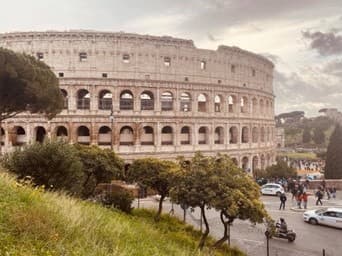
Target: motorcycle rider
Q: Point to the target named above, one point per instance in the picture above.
(282, 226)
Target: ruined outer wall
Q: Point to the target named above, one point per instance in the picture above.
(227, 71)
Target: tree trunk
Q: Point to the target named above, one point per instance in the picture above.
(0, 135)
(160, 208)
(225, 232)
(206, 231)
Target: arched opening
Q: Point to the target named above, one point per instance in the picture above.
(40, 134)
(219, 135)
(105, 134)
(83, 99)
(244, 104)
(203, 135)
(255, 162)
(61, 133)
(185, 135)
(146, 101)
(261, 106)
(166, 101)
(2, 136)
(218, 101)
(262, 134)
(245, 164)
(185, 102)
(254, 106)
(105, 100)
(233, 135)
(167, 136)
(83, 135)
(126, 136)
(268, 160)
(255, 135)
(202, 103)
(262, 162)
(268, 134)
(19, 136)
(126, 100)
(231, 103)
(245, 135)
(266, 107)
(65, 98)
(147, 137)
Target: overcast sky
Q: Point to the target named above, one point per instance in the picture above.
(302, 37)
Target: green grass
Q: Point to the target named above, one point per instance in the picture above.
(297, 155)
(33, 222)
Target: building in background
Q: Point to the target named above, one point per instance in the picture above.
(151, 96)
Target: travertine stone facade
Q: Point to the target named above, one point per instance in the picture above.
(152, 96)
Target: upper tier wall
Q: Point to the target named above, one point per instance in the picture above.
(150, 57)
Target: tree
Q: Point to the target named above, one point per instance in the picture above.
(306, 135)
(280, 170)
(99, 166)
(333, 167)
(27, 84)
(194, 188)
(155, 174)
(54, 164)
(318, 136)
(237, 196)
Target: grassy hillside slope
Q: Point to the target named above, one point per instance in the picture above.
(33, 222)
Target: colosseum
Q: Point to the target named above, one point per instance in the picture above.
(145, 95)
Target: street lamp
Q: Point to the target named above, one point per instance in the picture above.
(111, 118)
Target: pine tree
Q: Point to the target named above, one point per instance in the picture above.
(333, 167)
(306, 135)
(318, 136)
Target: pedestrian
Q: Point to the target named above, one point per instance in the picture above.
(328, 193)
(305, 199)
(282, 201)
(319, 196)
(333, 192)
(299, 200)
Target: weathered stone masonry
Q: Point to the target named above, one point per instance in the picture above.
(167, 97)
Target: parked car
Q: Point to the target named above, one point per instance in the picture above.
(325, 216)
(272, 189)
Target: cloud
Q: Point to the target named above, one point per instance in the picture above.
(295, 92)
(334, 67)
(329, 43)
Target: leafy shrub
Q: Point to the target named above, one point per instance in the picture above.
(120, 199)
(53, 164)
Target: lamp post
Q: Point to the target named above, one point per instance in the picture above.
(111, 118)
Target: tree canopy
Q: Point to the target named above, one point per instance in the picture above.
(280, 170)
(216, 182)
(333, 167)
(99, 166)
(27, 84)
(155, 174)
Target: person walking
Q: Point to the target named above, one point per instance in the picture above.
(282, 201)
(299, 200)
(305, 199)
(319, 196)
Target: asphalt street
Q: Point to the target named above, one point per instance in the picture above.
(310, 241)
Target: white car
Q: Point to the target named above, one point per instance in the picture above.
(272, 189)
(325, 216)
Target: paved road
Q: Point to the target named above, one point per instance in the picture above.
(311, 240)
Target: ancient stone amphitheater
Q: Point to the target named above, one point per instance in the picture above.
(155, 96)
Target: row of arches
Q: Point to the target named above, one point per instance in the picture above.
(147, 135)
(231, 103)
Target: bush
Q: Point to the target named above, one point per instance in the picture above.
(99, 166)
(121, 200)
(53, 164)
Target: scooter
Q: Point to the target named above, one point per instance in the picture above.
(290, 235)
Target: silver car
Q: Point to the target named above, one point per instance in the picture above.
(325, 216)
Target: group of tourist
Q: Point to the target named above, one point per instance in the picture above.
(300, 194)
